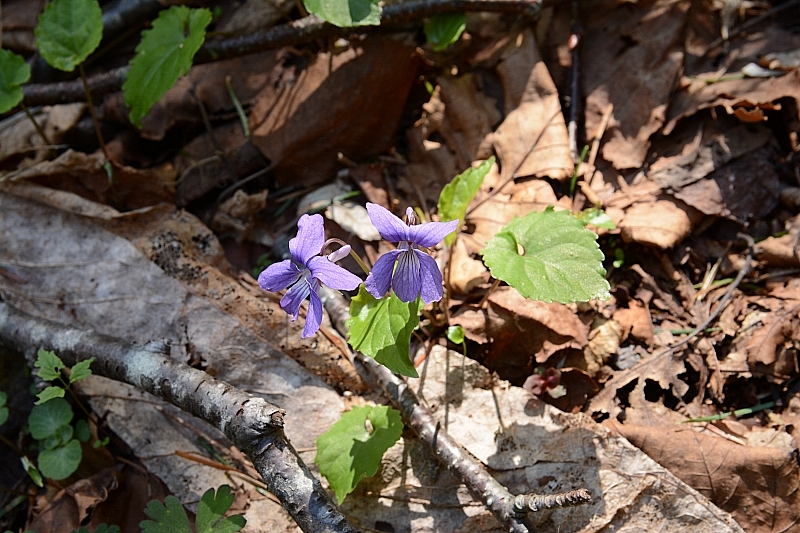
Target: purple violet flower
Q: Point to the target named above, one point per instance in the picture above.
(303, 273)
(416, 273)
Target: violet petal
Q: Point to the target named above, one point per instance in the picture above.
(314, 315)
(431, 278)
(278, 276)
(389, 226)
(309, 240)
(294, 297)
(380, 279)
(431, 233)
(406, 281)
(333, 275)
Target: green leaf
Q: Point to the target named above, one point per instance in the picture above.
(65, 432)
(49, 365)
(68, 31)
(49, 393)
(597, 218)
(548, 256)
(3, 408)
(445, 29)
(211, 512)
(346, 13)
(45, 419)
(353, 447)
(458, 194)
(32, 471)
(382, 329)
(82, 431)
(62, 462)
(168, 517)
(163, 55)
(101, 528)
(14, 71)
(455, 334)
(81, 370)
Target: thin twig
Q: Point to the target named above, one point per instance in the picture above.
(254, 425)
(483, 486)
(300, 31)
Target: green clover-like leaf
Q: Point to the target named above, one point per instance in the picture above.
(48, 394)
(444, 29)
(81, 370)
(353, 447)
(164, 54)
(14, 71)
(346, 13)
(458, 194)
(211, 512)
(62, 461)
(45, 419)
(382, 329)
(548, 256)
(167, 517)
(49, 365)
(68, 31)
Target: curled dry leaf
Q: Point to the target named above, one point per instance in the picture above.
(758, 485)
(635, 321)
(532, 140)
(521, 333)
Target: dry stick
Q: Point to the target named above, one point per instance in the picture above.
(254, 425)
(751, 23)
(296, 32)
(508, 509)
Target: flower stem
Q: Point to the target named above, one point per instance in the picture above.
(92, 112)
(36, 125)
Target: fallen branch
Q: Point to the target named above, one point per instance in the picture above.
(254, 425)
(292, 33)
(509, 510)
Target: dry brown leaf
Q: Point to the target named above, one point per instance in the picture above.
(742, 93)
(767, 346)
(659, 223)
(302, 123)
(759, 486)
(532, 139)
(523, 333)
(635, 321)
(743, 189)
(465, 272)
(470, 117)
(634, 60)
(116, 495)
(604, 339)
(19, 138)
(84, 175)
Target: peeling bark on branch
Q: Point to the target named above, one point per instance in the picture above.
(253, 424)
(291, 33)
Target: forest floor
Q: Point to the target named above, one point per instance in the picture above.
(692, 152)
